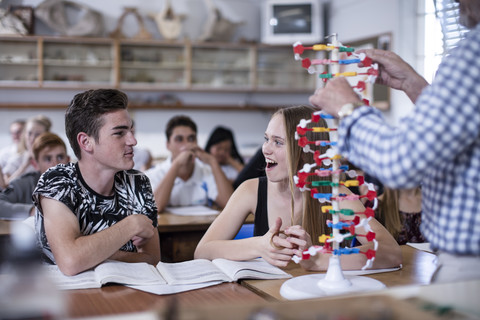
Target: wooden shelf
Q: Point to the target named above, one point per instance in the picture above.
(47, 62)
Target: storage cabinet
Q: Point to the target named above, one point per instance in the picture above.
(67, 63)
(152, 65)
(277, 68)
(63, 62)
(222, 67)
(19, 62)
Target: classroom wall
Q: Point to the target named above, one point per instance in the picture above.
(350, 19)
(354, 20)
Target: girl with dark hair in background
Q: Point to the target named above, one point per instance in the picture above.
(221, 145)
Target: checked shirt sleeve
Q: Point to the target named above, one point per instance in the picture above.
(437, 146)
(437, 135)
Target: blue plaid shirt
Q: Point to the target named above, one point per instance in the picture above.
(437, 146)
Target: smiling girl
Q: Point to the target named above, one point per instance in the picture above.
(287, 221)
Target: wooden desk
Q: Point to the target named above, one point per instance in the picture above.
(239, 301)
(234, 301)
(179, 235)
(208, 304)
(5, 227)
(117, 299)
(4, 237)
(418, 267)
(454, 300)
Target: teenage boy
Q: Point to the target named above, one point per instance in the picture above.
(16, 200)
(98, 208)
(189, 176)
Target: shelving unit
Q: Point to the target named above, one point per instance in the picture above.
(68, 63)
(276, 69)
(128, 64)
(152, 65)
(19, 63)
(222, 67)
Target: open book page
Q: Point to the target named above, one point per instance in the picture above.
(107, 272)
(190, 272)
(140, 273)
(174, 288)
(84, 280)
(251, 269)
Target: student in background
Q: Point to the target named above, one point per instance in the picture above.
(436, 146)
(22, 162)
(400, 212)
(16, 200)
(3, 184)
(16, 131)
(221, 144)
(98, 208)
(278, 205)
(142, 158)
(189, 176)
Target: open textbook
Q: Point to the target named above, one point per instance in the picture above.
(167, 278)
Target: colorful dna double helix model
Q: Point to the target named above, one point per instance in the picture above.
(329, 163)
(316, 66)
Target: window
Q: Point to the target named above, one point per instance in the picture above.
(442, 32)
(447, 13)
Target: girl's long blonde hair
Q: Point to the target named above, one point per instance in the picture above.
(388, 211)
(313, 220)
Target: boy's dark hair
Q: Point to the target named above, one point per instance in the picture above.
(178, 121)
(84, 114)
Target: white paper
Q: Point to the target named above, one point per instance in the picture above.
(191, 271)
(84, 280)
(192, 211)
(180, 276)
(368, 271)
(108, 272)
(421, 246)
(251, 269)
(170, 289)
(128, 273)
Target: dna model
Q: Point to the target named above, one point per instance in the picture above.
(330, 165)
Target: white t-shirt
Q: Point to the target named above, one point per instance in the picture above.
(230, 172)
(6, 153)
(15, 161)
(140, 157)
(200, 189)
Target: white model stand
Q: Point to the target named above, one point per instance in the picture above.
(334, 282)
